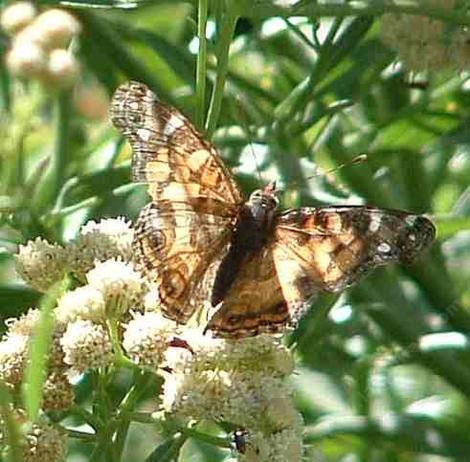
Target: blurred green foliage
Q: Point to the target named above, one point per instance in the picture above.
(303, 87)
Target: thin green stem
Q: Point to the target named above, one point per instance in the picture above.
(113, 333)
(229, 21)
(86, 416)
(201, 63)
(141, 381)
(54, 176)
(103, 410)
(5, 85)
(60, 153)
(80, 435)
(213, 440)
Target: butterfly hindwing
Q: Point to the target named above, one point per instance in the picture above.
(168, 245)
(254, 303)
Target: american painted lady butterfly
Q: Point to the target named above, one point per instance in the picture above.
(200, 241)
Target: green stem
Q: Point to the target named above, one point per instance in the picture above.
(5, 86)
(213, 440)
(80, 435)
(201, 63)
(229, 20)
(113, 333)
(141, 381)
(59, 157)
(86, 416)
(55, 174)
(102, 408)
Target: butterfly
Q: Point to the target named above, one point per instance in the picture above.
(200, 241)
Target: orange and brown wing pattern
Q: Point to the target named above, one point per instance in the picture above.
(180, 235)
(168, 152)
(254, 303)
(328, 249)
(176, 247)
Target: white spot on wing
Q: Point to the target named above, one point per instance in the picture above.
(172, 125)
(384, 248)
(374, 224)
(411, 220)
(144, 134)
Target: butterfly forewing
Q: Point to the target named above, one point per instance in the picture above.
(168, 152)
(334, 246)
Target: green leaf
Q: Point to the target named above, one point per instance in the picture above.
(35, 373)
(447, 226)
(168, 450)
(16, 298)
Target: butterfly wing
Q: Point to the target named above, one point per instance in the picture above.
(194, 199)
(313, 250)
(254, 304)
(330, 248)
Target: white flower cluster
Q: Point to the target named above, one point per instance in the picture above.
(42, 442)
(432, 44)
(147, 338)
(38, 48)
(14, 349)
(41, 264)
(110, 294)
(244, 382)
(107, 239)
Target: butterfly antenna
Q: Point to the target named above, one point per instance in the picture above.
(242, 117)
(355, 160)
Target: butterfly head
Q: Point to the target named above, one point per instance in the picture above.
(265, 198)
(262, 204)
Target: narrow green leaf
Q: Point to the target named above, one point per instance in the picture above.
(447, 226)
(201, 63)
(36, 368)
(168, 450)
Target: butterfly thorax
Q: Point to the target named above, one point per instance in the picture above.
(253, 228)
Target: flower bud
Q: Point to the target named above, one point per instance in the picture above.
(56, 28)
(62, 69)
(17, 16)
(26, 59)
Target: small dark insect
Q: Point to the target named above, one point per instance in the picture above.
(240, 440)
